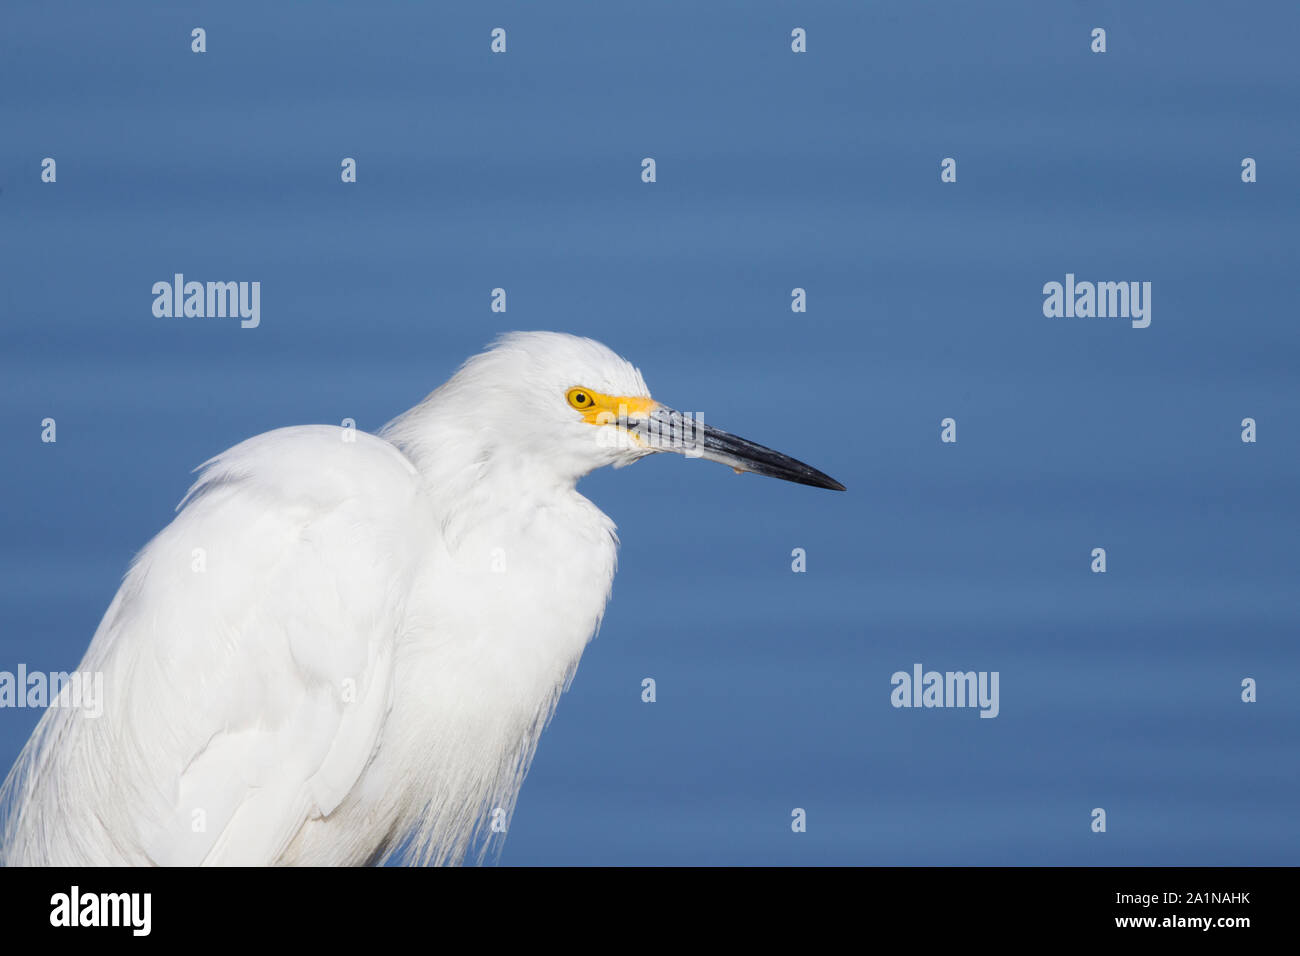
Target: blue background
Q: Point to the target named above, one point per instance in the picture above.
(775, 170)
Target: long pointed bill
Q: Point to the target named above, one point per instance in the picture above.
(667, 430)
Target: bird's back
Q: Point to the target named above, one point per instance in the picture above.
(247, 663)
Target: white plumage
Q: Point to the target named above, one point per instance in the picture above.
(347, 645)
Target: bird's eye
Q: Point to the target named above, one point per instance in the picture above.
(580, 398)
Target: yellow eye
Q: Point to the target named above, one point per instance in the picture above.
(580, 398)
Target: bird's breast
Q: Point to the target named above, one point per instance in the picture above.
(494, 633)
(499, 621)
(525, 590)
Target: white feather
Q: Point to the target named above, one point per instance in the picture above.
(380, 635)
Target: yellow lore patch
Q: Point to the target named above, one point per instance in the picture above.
(600, 409)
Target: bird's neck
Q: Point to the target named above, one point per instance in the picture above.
(471, 475)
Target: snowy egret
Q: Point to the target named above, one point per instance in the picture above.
(347, 645)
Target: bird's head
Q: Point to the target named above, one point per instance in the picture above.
(571, 405)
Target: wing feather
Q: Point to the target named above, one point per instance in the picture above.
(257, 632)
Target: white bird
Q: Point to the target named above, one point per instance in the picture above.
(346, 646)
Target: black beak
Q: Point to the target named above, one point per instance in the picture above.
(669, 430)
